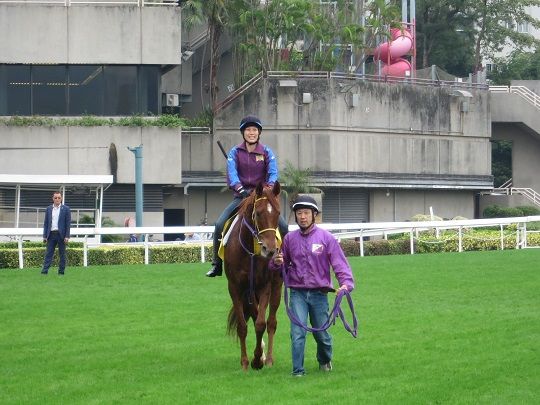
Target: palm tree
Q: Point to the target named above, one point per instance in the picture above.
(296, 181)
(214, 13)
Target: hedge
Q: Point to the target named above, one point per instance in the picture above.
(103, 255)
(427, 242)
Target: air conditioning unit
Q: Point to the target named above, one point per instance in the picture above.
(172, 100)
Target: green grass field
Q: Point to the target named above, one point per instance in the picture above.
(460, 328)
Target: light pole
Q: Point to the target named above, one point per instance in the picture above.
(137, 151)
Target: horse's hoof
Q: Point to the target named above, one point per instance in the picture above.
(256, 365)
(269, 362)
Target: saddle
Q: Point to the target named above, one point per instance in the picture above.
(227, 228)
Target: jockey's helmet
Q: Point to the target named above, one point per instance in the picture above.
(250, 120)
(305, 201)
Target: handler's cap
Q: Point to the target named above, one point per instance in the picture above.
(250, 120)
(305, 201)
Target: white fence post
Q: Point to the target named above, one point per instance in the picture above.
(146, 248)
(202, 252)
(21, 256)
(85, 251)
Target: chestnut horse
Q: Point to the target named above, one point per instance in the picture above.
(252, 286)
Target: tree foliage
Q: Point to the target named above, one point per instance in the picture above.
(501, 162)
(444, 36)
(215, 14)
(517, 66)
(291, 34)
(458, 35)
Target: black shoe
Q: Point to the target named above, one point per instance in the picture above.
(60, 273)
(216, 270)
(44, 273)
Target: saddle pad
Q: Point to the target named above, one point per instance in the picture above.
(229, 225)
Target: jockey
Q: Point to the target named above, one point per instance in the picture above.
(248, 164)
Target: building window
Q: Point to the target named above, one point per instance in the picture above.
(49, 90)
(117, 90)
(15, 94)
(86, 94)
(523, 27)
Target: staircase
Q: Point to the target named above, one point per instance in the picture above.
(507, 189)
(525, 93)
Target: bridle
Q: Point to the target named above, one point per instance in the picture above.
(255, 231)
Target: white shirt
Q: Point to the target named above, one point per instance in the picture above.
(55, 216)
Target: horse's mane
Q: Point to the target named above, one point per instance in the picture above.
(267, 192)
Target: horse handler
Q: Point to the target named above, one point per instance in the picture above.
(307, 254)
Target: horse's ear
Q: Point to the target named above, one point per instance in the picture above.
(259, 189)
(277, 188)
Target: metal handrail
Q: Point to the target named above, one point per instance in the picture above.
(528, 193)
(278, 74)
(524, 92)
(507, 183)
(196, 130)
(220, 106)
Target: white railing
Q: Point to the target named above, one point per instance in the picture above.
(68, 3)
(196, 130)
(507, 183)
(341, 231)
(524, 92)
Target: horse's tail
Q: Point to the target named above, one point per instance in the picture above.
(232, 323)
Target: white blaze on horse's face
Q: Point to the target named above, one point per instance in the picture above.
(269, 208)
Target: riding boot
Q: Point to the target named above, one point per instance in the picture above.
(216, 270)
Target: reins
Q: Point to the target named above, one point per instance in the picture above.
(334, 313)
(255, 233)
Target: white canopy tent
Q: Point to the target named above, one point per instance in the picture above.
(97, 183)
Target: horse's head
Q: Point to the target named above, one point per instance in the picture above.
(265, 217)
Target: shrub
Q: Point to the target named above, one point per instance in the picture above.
(527, 210)
(495, 211)
(350, 247)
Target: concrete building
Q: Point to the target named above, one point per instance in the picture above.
(69, 59)
(380, 151)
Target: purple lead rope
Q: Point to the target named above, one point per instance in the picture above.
(336, 311)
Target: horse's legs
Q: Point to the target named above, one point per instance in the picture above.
(271, 324)
(260, 326)
(242, 334)
(241, 325)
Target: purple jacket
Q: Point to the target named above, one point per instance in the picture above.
(248, 169)
(308, 258)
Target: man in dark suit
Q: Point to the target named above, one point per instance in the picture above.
(56, 231)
